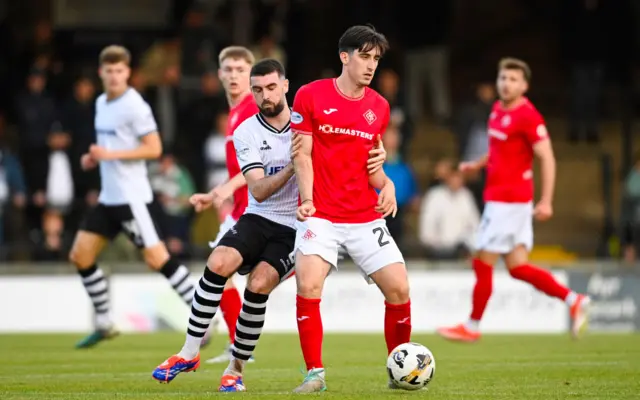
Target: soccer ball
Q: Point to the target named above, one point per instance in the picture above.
(411, 366)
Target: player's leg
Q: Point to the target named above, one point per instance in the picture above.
(139, 222)
(260, 283)
(378, 257)
(90, 240)
(231, 303)
(317, 242)
(493, 238)
(234, 248)
(517, 262)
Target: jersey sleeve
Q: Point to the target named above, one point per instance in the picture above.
(143, 121)
(535, 128)
(247, 152)
(302, 113)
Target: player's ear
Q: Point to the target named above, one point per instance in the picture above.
(285, 86)
(344, 57)
(219, 73)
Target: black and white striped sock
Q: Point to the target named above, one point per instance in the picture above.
(204, 307)
(178, 277)
(97, 288)
(249, 326)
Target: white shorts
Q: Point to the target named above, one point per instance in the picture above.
(369, 245)
(505, 226)
(227, 224)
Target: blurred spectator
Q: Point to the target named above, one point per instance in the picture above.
(630, 214)
(441, 172)
(471, 123)
(586, 47)
(268, 48)
(425, 36)
(197, 123)
(198, 46)
(471, 132)
(173, 187)
(162, 55)
(35, 114)
(163, 99)
(12, 184)
(448, 219)
(215, 159)
(389, 88)
(403, 178)
(59, 193)
(77, 118)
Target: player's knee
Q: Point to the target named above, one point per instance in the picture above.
(263, 279)
(224, 261)
(82, 256)
(309, 286)
(399, 294)
(156, 257)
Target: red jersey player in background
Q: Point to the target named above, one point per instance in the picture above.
(517, 132)
(339, 121)
(234, 67)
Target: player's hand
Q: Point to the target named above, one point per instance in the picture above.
(296, 144)
(201, 201)
(543, 211)
(99, 153)
(377, 156)
(305, 210)
(387, 204)
(87, 162)
(469, 166)
(220, 194)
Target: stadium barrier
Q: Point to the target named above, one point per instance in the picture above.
(144, 302)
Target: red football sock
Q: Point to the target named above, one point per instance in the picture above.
(397, 324)
(231, 305)
(540, 279)
(310, 331)
(483, 288)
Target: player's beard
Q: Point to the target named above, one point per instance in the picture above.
(272, 112)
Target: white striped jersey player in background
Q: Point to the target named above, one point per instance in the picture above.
(127, 136)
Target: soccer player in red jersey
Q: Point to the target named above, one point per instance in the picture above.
(517, 132)
(235, 65)
(339, 121)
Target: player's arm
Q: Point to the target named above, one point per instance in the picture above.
(150, 148)
(387, 204)
(262, 187)
(233, 184)
(544, 151)
(303, 167)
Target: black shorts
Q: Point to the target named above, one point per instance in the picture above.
(259, 239)
(138, 221)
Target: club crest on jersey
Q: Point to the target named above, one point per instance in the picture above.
(506, 120)
(370, 116)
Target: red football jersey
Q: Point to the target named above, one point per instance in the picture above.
(512, 134)
(344, 130)
(237, 114)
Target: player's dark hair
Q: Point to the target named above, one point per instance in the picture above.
(363, 38)
(516, 64)
(266, 67)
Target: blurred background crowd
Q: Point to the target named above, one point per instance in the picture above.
(438, 78)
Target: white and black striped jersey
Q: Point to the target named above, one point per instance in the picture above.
(260, 145)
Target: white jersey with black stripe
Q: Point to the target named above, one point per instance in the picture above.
(260, 145)
(119, 124)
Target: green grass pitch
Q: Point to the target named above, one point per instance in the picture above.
(498, 367)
